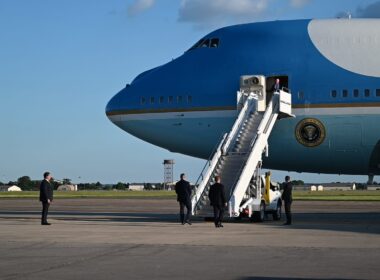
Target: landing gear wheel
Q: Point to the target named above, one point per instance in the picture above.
(278, 212)
(259, 216)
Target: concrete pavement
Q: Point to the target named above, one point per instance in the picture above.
(141, 239)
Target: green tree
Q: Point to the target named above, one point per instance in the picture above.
(25, 183)
(66, 181)
(120, 186)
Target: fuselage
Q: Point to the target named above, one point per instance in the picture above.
(332, 68)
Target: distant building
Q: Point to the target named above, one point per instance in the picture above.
(135, 187)
(373, 187)
(327, 187)
(68, 188)
(14, 189)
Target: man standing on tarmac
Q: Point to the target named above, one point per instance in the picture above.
(46, 197)
(183, 191)
(287, 198)
(218, 201)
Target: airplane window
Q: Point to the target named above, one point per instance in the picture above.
(205, 44)
(356, 93)
(170, 99)
(378, 92)
(189, 99)
(179, 99)
(142, 100)
(197, 44)
(333, 93)
(300, 95)
(214, 43)
(152, 100)
(367, 92)
(345, 93)
(161, 99)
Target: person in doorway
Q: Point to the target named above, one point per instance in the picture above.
(218, 201)
(276, 86)
(46, 197)
(183, 191)
(287, 198)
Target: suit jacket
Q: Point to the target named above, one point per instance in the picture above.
(287, 193)
(217, 195)
(183, 191)
(46, 191)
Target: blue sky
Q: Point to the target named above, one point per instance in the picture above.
(61, 61)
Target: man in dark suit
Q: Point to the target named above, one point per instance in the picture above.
(183, 191)
(218, 201)
(46, 197)
(287, 198)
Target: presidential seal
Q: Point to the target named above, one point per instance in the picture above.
(310, 132)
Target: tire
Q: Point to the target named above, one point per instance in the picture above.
(278, 212)
(259, 216)
(238, 219)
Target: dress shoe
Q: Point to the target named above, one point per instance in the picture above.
(220, 225)
(46, 224)
(188, 222)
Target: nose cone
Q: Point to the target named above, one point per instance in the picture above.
(116, 103)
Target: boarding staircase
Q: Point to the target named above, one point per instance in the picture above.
(238, 156)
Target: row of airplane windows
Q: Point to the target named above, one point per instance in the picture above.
(345, 93)
(189, 99)
(355, 93)
(170, 99)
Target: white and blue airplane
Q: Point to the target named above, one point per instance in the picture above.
(332, 68)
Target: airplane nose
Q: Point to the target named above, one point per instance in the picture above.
(117, 102)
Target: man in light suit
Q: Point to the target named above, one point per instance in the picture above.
(46, 197)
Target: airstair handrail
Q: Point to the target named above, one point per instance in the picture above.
(206, 173)
(255, 153)
(238, 123)
(262, 128)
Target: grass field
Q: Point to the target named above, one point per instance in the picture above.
(297, 195)
(338, 195)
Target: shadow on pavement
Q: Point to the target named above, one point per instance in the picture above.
(368, 222)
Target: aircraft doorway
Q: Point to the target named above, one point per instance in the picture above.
(270, 84)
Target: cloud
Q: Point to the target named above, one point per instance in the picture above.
(217, 12)
(139, 6)
(371, 11)
(299, 3)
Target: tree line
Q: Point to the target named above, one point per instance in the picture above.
(27, 184)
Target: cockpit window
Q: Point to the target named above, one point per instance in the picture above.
(206, 43)
(214, 43)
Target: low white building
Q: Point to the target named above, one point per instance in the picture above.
(14, 189)
(135, 187)
(68, 188)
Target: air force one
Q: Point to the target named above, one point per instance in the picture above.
(331, 68)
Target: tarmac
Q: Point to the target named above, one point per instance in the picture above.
(142, 239)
